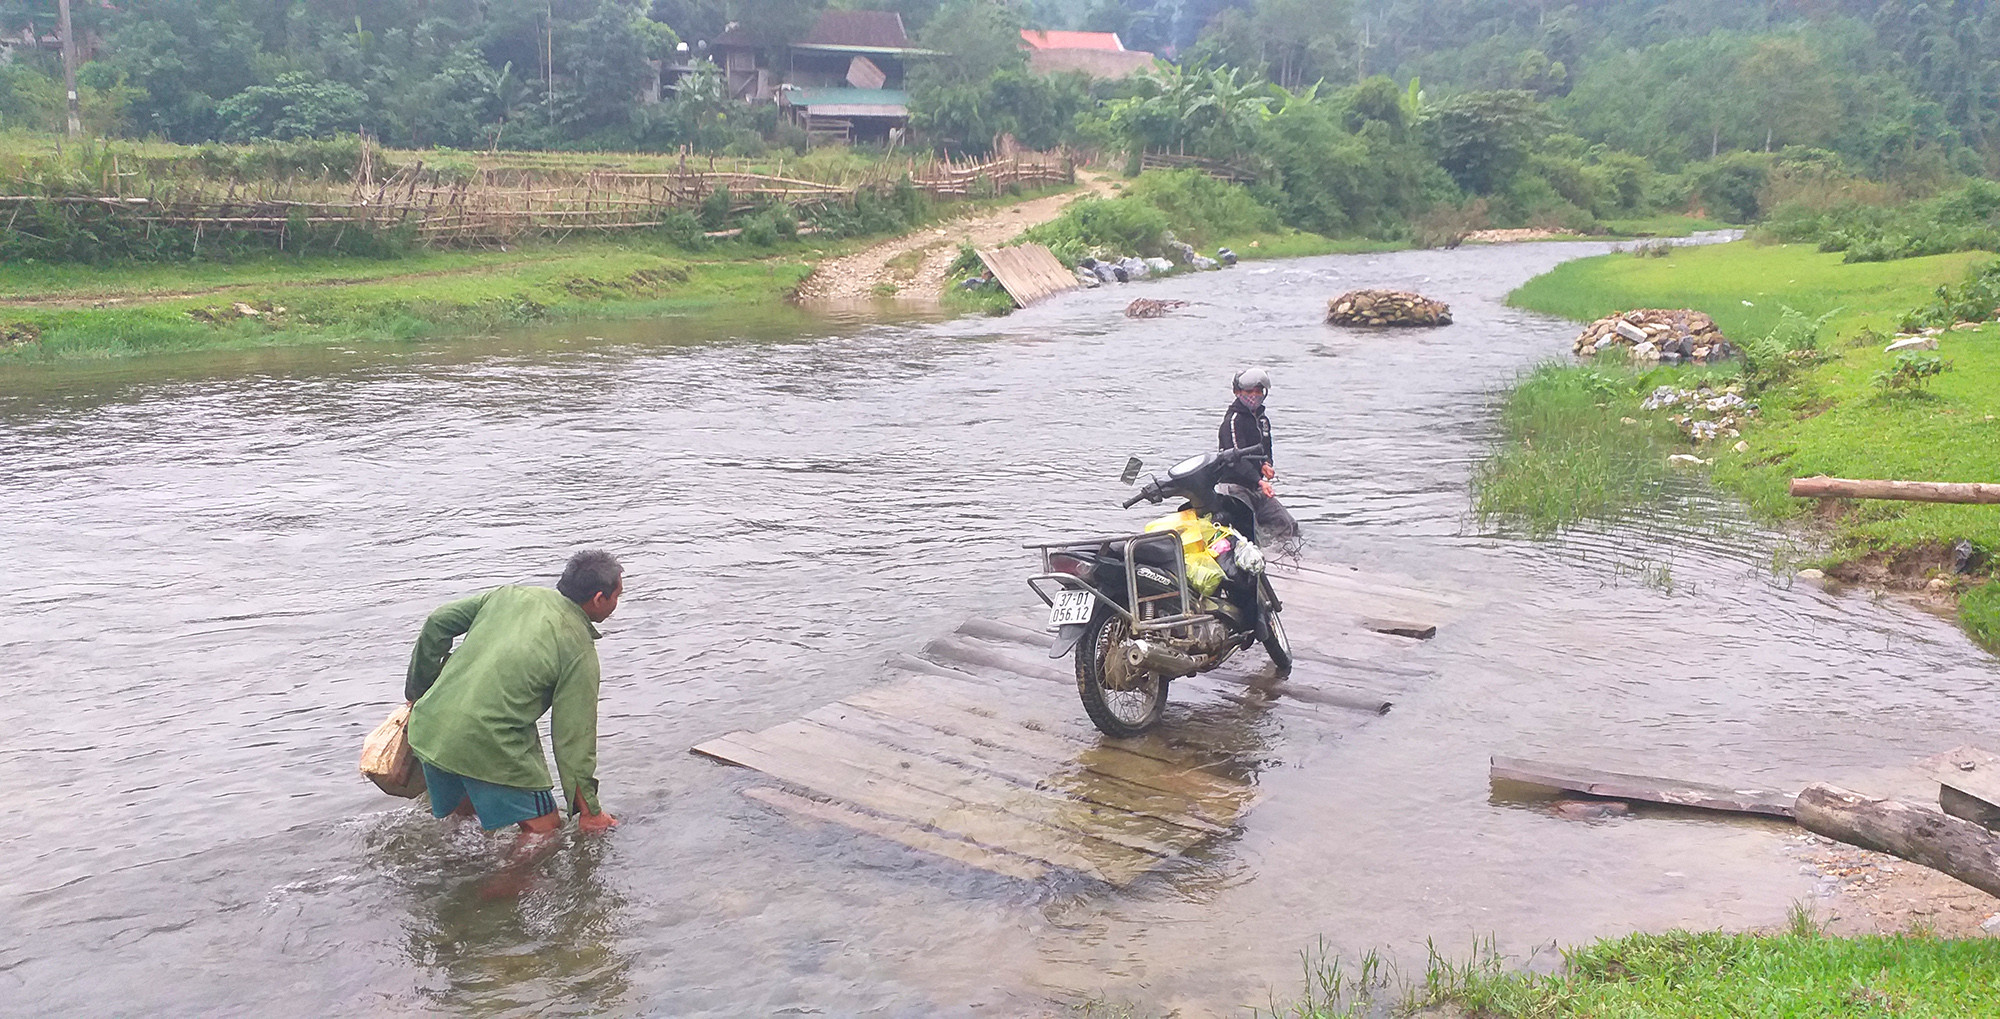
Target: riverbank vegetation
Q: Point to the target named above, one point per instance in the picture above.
(1829, 400)
(1684, 975)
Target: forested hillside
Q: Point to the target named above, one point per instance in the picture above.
(1351, 116)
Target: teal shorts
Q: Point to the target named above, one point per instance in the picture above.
(497, 805)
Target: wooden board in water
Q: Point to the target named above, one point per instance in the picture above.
(1029, 272)
(981, 754)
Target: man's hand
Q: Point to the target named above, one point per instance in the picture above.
(594, 823)
(1270, 473)
(1266, 486)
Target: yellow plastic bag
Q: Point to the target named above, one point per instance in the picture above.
(1203, 572)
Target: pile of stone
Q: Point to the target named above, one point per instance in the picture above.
(1387, 308)
(1093, 271)
(18, 334)
(1704, 414)
(1146, 307)
(1648, 335)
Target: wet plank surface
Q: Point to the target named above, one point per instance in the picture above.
(1647, 788)
(1028, 272)
(978, 752)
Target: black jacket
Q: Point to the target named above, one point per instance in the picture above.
(1242, 427)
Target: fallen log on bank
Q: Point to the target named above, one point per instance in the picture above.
(1946, 844)
(1823, 487)
(1619, 786)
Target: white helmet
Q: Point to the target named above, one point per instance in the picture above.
(1252, 378)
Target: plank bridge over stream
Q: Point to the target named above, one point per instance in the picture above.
(976, 750)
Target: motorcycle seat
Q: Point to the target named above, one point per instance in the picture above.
(1152, 553)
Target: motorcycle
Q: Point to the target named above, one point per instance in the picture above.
(1181, 597)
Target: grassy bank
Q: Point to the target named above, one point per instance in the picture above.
(1826, 412)
(1682, 975)
(89, 313)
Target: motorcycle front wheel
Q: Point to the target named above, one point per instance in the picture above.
(1271, 631)
(1120, 700)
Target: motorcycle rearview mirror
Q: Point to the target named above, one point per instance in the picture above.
(1132, 468)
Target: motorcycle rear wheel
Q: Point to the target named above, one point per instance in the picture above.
(1118, 703)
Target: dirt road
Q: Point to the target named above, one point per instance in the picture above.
(913, 266)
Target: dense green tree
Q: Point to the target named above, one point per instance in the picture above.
(1483, 138)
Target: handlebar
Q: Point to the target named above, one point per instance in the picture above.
(1135, 500)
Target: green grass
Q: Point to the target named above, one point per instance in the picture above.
(1682, 975)
(1567, 456)
(1719, 279)
(1979, 612)
(148, 309)
(1830, 419)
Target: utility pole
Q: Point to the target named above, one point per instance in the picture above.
(69, 66)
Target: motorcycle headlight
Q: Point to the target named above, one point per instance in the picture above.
(1249, 556)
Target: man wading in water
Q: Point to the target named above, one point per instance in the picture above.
(1244, 426)
(527, 650)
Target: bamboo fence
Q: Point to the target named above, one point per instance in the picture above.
(504, 205)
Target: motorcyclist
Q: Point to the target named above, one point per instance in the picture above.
(1246, 426)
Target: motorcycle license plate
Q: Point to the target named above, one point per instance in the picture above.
(1071, 608)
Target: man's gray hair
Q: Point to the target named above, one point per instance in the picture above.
(590, 573)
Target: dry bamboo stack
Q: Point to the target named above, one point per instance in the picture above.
(1656, 334)
(1386, 308)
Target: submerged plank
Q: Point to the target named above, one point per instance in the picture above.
(926, 809)
(999, 861)
(959, 649)
(959, 711)
(1085, 822)
(1969, 784)
(1352, 698)
(1069, 778)
(1400, 627)
(1616, 785)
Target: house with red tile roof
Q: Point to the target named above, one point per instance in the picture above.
(1097, 54)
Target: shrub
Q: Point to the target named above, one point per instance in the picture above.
(1911, 374)
(714, 209)
(1122, 226)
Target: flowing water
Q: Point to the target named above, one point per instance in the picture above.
(216, 566)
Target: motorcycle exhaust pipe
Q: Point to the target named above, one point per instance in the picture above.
(1151, 657)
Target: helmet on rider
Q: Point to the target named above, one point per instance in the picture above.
(1251, 384)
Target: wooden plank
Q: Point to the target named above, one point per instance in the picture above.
(1080, 820)
(1352, 698)
(1616, 785)
(1400, 627)
(1029, 272)
(1969, 784)
(965, 710)
(1070, 778)
(972, 822)
(1045, 710)
(999, 861)
(960, 650)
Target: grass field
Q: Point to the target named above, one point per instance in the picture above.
(91, 313)
(1681, 975)
(1797, 974)
(1830, 419)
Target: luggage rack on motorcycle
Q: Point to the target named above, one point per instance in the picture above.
(1170, 539)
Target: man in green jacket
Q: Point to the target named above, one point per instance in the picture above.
(526, 651)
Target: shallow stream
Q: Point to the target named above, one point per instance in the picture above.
(215, 570)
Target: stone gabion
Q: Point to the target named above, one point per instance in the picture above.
(1652, 335)
(1386, 308)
